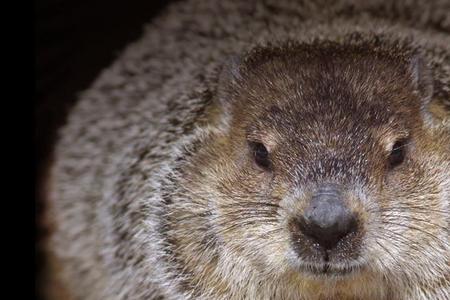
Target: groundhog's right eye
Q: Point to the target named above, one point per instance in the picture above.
(260, 154)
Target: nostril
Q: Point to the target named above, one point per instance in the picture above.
(327, 235)
(327, 220)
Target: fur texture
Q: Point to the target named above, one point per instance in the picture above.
(152, 191)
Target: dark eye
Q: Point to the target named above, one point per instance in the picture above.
(260, 154)
(398, 153)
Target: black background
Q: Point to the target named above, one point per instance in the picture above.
(74, 40)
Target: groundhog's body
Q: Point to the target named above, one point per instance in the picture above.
(146, 202)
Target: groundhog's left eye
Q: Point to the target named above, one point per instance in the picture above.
(260, 154)
(398, 152)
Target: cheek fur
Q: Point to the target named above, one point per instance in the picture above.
(411, 222)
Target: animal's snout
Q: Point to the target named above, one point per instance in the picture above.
(327, 219)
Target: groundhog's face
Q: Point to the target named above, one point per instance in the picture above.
(327, 170)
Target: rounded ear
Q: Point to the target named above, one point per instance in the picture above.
(436, 111)
(229, 77)
(422, 78)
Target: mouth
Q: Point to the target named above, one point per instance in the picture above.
(329, 270)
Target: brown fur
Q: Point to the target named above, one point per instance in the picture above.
(156, 192)
(329, 113)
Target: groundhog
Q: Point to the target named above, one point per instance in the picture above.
(262, 150)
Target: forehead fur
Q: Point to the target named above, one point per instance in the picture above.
(326, 83)
(325, 103)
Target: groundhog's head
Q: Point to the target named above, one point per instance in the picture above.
(328, 171)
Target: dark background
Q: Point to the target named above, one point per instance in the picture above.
(74, 40)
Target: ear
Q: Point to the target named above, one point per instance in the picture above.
(422, 79)
(436, 111)
(229, 78)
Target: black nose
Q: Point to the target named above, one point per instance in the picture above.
(327, 220)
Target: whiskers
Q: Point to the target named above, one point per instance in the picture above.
(405, 232)
(225, 209)
(414, 217)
